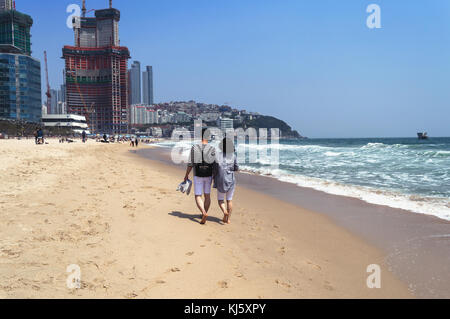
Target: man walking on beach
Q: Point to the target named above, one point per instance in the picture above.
(201, 159)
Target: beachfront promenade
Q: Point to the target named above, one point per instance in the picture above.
(118, 218)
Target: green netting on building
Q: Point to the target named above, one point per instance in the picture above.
(15, 31)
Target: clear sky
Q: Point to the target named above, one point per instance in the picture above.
(313, 63)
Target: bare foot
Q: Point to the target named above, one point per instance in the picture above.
(204, 219)
(225, 218)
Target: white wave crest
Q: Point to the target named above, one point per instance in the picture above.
(438, 207)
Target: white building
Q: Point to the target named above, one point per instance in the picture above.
(141, 114)
(75, 122)
(156, 132)
(182, 117)
(225, 124)
(210, 117)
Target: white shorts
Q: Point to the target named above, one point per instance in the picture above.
(229, 194)
(202, 185)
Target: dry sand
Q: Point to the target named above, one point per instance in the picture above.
(117, 216)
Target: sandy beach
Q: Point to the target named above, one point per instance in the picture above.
(117, 216)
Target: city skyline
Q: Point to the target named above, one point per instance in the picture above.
(140, 84)
(322, 63)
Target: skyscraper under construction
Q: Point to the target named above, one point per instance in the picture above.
(96, 72)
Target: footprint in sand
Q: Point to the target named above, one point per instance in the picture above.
(175, 269)
(317, 267)
(128, 206)
(327, 285)
(131, 295)
(189, 253)
(223, 284)
(284, 284)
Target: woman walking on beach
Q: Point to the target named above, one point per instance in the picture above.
(224, 179)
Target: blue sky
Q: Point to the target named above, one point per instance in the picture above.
(314, 64)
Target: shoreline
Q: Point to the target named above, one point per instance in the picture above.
(415, 203)
(415, 245)
(117, 216)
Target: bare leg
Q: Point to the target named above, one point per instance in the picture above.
(201, 207)
(207, 202)
(224, 210)
(206, 206)
(230, 210)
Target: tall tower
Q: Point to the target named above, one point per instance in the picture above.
(147, 80)
(135, 83)
(96, 72)
(20, 74)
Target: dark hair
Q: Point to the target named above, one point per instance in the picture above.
(204, 137)
(227, 146)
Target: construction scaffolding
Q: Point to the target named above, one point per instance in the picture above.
(96, 73)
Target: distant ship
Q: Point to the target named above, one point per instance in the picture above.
(422, 136)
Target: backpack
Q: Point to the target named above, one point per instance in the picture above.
(203, 169)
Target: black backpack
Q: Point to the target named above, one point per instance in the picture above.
(203, 169)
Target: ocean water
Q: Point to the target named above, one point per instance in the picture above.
(399, 172)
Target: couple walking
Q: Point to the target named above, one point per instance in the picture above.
(211, 165)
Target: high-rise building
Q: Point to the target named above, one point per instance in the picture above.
(62, 96)
(147, 81)
(6, 5)
(96, 72)
(53, 102)
(135, 83)
(57, 102)
(143, 114)
(20, 74)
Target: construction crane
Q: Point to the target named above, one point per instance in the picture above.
(48, 93)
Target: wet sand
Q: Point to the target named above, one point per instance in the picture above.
(416, 247)
(117, 216)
